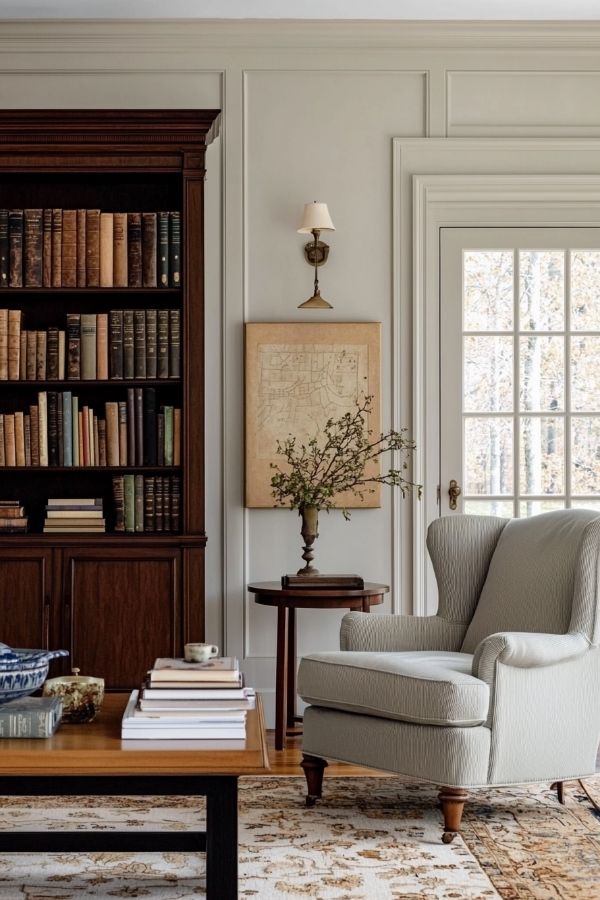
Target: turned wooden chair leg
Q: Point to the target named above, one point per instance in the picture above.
(313, 767)
(560, 791)
(452, 801)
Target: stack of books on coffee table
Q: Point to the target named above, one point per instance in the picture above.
(189, 701)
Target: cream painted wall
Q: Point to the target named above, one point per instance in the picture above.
(309, 112)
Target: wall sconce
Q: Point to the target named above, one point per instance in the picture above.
(316, 219)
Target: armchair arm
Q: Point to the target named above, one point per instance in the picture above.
(524, 650)
(392, 633)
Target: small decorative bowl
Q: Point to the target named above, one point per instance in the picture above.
(82, 696)
(23, 671)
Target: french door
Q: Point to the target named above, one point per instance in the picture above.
(519, 370)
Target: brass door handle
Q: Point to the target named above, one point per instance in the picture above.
(454, 493)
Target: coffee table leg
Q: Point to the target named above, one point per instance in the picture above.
(291, 669)
(222, 840)
(281, 680)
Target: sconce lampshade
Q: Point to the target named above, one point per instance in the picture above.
(316, 217)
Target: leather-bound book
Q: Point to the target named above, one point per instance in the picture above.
(115, 329)
(31, 361)
(102, 346)
(19, 439)
(129, 502)
(131, 457)
(81, 248)
(139, 426)
(149, 249)
(41, 350)
(52, 354)
(56, 267)
(174, 343)
(177, 436)
(53, 398)
(158, 504)
(43, 426)
(160, 439)
(84, 453)
(139, 502)
(88, 346)
(149, 504)
(139, 325)
(33, 247)
(73, 346)
(162, 344)
(4, 250)
(112, 434)
(168, 416)
(151, 341)
(128, 344)
(60, 435)
(3, 345)
(175, 503)
(102, 461)
(15, 247)
(150, 454)
(175, 249)
(118, 503)
(106, 249)
(14, 344)
(166, 492)
(69, 248)
(122, 433)
(10, 451)
(96, 433)
(23, 356)
(27, 431)
(81, 437)
(62, 343)
(120, 250)
(162, 250)
(134, 250)
(92, 248)
(75, 430)
(47, 248)
(67, 402)
(35, 435)
(2, 452)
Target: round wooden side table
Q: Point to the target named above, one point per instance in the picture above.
(287, 601)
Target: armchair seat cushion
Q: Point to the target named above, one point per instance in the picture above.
(426, 687)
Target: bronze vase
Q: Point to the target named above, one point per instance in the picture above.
(309, 532)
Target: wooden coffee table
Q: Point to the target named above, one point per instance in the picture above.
(92, 760)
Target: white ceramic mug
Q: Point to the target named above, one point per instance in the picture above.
(200, 652)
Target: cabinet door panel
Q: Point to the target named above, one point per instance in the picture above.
(25, 594)
(122, 609)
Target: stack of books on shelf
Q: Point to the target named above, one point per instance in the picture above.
(12, 517)
(181, 700)
(74, 516)
(124, 343)
(147, 503)
(89, 248)
(30, 717)
(60, 431)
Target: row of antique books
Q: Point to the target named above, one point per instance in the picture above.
(88, 248)
(125, 343)
(189, 701)
(149, 503)
(12, 518)
(74, 516)
(59, 431)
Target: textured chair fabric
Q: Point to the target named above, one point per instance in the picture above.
(521, 596)
(429, 687)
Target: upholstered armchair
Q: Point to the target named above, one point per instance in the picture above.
(502, 686)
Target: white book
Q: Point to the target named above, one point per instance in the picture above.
(196, 705)
(195, 693)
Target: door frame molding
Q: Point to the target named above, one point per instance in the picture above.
(434, 189)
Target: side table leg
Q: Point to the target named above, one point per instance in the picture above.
(291, 669)
(366, 604)
(281, 679)
(222, 840)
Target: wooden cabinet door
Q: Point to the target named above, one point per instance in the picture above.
(122, 609)
(25, 596)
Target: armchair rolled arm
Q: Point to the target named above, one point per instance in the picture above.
(392, 633)
(525, 650)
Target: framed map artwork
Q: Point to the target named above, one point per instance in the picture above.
(297, 377)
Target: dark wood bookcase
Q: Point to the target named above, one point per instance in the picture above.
(114, 600)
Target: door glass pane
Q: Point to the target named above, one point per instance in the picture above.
(502, 508)
(488, 444)
(535, 507)
(585, 373)
(488, 374)
(585, 455)
(488, 290)
(541, 290)
(585, 290)
(542, 455)
(541, 373)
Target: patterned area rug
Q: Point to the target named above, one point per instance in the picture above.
(370, 838)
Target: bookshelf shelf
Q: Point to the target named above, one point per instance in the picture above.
(115, 600)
